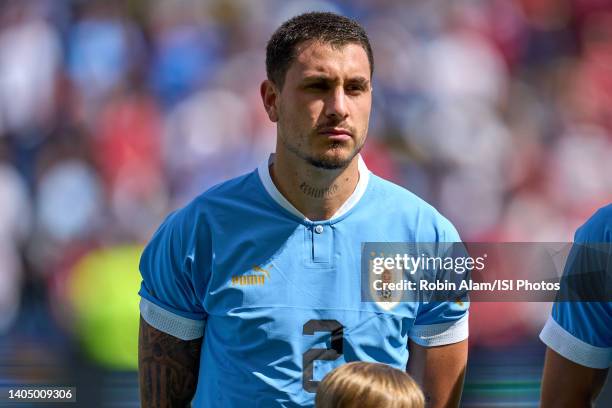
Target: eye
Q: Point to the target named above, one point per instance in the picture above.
(317, 86)
(355, 89)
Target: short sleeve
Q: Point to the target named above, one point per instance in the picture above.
(440, 323)
(169, 299)
(581, 331)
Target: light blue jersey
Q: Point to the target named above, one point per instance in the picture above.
(582, 331)
(277, 297)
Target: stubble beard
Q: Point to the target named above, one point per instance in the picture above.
(322, 162)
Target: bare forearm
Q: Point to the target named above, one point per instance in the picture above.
(440, 372)
(443, 392)
(168, 368)
(442, 397)
(567, 384)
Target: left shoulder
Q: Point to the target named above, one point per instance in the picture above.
(403, 204)
(598, 228)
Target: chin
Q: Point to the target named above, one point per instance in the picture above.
(332, 160)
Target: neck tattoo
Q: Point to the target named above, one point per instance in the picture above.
(318, 192)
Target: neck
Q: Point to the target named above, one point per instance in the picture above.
(316, 193)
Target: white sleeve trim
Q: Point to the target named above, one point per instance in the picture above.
(574, 349)
(440, 334)
(170, 323)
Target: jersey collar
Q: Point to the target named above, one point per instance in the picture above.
(264, 175)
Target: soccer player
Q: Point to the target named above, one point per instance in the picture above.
(579, 334)
(368, 385)
(251, 294)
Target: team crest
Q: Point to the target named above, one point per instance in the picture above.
(380, 293)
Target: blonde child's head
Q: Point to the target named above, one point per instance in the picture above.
(368, 385)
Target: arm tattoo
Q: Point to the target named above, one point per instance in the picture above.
(318, 192)
(168, 368)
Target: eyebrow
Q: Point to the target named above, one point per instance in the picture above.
(322, 78)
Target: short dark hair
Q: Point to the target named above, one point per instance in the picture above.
(326, 27)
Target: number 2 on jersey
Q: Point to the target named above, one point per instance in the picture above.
(329, 354)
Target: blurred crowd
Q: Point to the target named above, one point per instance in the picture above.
(115, 112)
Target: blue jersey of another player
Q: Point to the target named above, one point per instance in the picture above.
(582, 331)
(278, 297)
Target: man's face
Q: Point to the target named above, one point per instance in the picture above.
(324, 107)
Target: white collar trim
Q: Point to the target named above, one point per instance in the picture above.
(264, 175)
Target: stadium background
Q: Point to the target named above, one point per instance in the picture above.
(113, 113)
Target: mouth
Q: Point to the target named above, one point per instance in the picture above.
(336, 134)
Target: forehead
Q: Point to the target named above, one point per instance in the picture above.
(317, 58)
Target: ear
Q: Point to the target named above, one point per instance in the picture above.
(269, 96)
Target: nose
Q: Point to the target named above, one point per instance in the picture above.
(336, 105)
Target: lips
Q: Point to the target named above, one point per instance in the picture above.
(336, 133)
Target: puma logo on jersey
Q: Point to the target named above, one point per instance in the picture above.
(251, 279)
